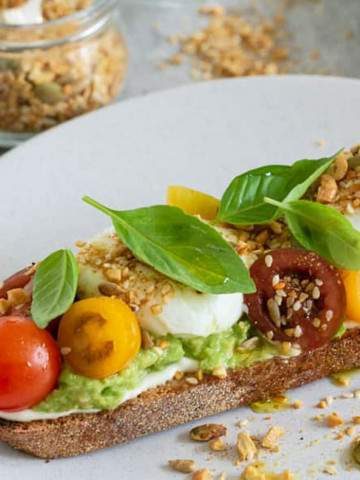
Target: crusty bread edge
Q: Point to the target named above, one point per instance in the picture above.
(177, 402)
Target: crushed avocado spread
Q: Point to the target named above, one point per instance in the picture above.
(218, 350)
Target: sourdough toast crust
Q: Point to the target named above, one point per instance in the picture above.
(178, 402)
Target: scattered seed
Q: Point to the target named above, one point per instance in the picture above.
(268, 260)
(274, 311)
(207, 432)
(316, 293)
(297, 305)
(334, 420)
(183, 466)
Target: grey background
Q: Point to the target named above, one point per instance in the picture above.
(330, 26)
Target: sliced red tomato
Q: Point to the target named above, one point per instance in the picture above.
(300, 298)
(18, 280)
(30, 363)
(21, 279)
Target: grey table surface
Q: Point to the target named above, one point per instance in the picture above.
(331, 27)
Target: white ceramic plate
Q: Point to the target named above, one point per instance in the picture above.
(125, 156)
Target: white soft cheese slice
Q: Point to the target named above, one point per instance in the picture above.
(151, 380)
(193, 313)
(28, 13)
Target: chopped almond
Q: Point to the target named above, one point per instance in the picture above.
(271, 439)
(330, 470)
(246, 447)
(183, 466)
(17, 296)
(256, 472)
(202, 475)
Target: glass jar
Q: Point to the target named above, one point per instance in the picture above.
(59, 69)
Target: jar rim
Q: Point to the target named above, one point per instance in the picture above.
(83, 14)
(89, 22)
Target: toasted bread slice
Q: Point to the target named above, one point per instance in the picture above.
(178, 402)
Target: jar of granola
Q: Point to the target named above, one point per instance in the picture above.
(70, 62)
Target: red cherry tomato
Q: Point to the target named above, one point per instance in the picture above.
(29, 363)
(300, 298)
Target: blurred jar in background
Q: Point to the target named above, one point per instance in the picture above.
(73, 62)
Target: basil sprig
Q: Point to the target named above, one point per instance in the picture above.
(323, 230)
(243, 201)
(181, 247)
(55, 286)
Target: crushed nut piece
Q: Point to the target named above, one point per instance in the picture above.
(297, 404)
(327, 190)
(219, 372)
(192, 380)
(183, 466)
(256, 471)
(17, 296)
(202, 475)
(217, 445)
(334, 420)
(330, 470)
(146, 340)
(246, 447)
(271, 439)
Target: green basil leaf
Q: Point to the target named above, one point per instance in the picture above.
(181, 247)
(243, 201)
(323, 230)
(55, 286)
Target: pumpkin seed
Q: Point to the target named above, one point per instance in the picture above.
(207, 432)
(50, 92)
(9, 64)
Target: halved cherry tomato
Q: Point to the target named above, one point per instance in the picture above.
(18, 280)
(351, 281)
(286, 276)
(99, 336)
(29, 363)
(193, 202)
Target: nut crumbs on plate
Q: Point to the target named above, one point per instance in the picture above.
(232, 46)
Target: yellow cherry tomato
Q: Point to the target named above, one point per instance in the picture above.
(99, 336)
(351, 281)
(193, 202)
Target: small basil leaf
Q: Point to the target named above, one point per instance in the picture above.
(323, 230)
(55, 286)
(243, 201)
(181, 247)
